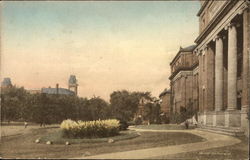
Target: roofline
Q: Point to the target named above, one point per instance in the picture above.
(179, 52)
(164, 93)
(202, 8)
(214, 21)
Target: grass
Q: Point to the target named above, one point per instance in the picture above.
(14, 129)
(238, 151)
(163, 127)
(57, 138)
(23, 146)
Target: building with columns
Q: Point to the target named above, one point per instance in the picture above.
(223, 51)
(184, 80)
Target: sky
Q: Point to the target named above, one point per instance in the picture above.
(109, 46)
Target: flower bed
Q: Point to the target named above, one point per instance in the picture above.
(90, 129)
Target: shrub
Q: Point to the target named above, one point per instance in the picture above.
(90, 129)
(123, 125)
(138, 121)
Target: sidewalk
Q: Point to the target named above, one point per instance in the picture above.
(213, 140)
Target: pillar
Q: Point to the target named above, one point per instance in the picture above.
(232, 67)
(218, 73)
(245, 68)
(232, 116)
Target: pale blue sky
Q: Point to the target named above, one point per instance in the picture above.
(107, 45)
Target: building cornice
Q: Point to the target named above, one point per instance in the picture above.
(202, 8)
(182, 73)
(183, 69)
(215, 20)
(218, 23)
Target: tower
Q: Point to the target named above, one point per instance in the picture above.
(6, 83)
(73, 84)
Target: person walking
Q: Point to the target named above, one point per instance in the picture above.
(25, 124)
(186, 123)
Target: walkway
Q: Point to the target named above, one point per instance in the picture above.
(213, 140)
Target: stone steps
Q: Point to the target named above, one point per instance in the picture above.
(232, 131)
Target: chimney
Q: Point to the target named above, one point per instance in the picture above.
(57, 88)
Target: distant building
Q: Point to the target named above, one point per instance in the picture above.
(184, 79)
(73, 84)
(57, 90)
(165, 103)
(72, 88)
(6, 83)
(34, 91)
(141, 108)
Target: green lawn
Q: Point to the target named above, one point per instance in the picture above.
(234, 152)
(23, 146)
(57, 138)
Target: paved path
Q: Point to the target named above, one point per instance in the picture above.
(213, 140)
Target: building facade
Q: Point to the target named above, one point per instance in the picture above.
(73, 85)
(223, 53)
(141, 108)
(184, 80)
(72, 88)
(165, 103)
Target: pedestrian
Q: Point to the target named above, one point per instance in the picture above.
(186, 124)
(25, 124)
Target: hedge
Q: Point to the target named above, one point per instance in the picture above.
(90, 129)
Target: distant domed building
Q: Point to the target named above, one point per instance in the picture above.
(6, 83)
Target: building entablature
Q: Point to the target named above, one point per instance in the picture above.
(180, 69)
(203, 6)
(219, 22)
(182, 74)
(208, 11)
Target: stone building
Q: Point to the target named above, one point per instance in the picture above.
(72, 88)
(141, 107)
(223, 53)
(184, 80)
(165, 103)
(6, 83)
(73, 84)
(34, 91)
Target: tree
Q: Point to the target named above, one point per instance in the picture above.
(152, 113)
(12, 103)
(124, 104)
(97, 108)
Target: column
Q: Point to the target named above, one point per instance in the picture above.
(218, 73)
(245, 71)
(232, 67)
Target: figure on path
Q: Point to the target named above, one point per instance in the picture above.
(25, 124)
(187, 124)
